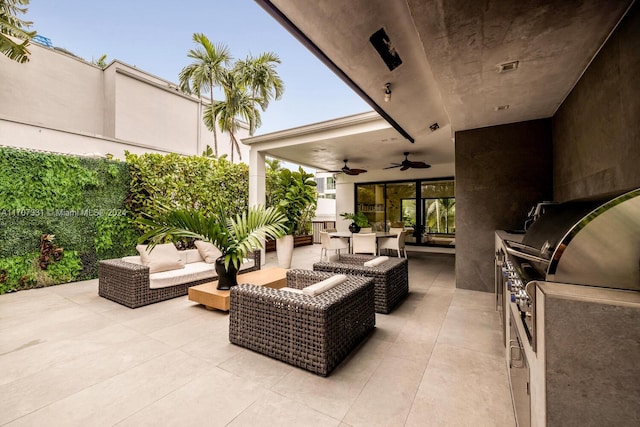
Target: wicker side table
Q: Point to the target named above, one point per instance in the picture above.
(391, 278)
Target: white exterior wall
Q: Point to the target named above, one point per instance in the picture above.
(52, 89)
(59, 103)
(155, 116)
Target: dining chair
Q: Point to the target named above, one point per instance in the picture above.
(366, 230)
(394, 243)
(364, 243)
(329, 243)
(395, 230)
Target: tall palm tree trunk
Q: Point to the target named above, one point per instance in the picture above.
(215, 133)
(234, 144)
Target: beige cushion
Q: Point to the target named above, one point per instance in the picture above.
(325, 285)
(190, 273)
(376, 261)
(208, 251)
(162, 257)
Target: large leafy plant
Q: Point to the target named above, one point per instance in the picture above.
(359, 218)
(295, 195)
(234, 236)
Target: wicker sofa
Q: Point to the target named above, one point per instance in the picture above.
(311, 332)
(391, 278)
(128, 282)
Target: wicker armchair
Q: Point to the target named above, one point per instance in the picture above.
(391, 278)
(128, 284)
(311, 332)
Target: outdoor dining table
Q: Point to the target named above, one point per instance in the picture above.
(348, 234)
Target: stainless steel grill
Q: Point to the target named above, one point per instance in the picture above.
(592, 242)
(595, 243)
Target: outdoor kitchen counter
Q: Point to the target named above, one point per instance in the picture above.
(585, 370)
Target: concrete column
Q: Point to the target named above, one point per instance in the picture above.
(257, 177)
(257, 182)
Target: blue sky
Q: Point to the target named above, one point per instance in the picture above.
(155, 36)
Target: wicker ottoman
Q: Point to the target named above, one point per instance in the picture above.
(311, 332)
(391, 278)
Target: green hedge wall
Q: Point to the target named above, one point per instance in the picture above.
(79, 200)
(195, 182)
(91, 205)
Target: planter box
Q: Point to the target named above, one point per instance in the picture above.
(307, 239)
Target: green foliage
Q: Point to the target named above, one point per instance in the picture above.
(18, 272)
(234, 236)
(11, 25)
(178, 182)
(112, 233)
(295, 195)
(79, 200)
(247, 85)
(65, 270)
(359, 218)
(22, 271)
(82, 202)
(33, 180)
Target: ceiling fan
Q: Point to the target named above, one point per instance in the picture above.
(348, 171)
(406, 164)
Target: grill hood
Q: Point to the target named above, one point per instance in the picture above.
(594, 243)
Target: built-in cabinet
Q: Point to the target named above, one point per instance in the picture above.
(583, 369)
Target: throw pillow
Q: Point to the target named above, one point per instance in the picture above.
(325, 285)
(376, 261)
(162, 258)
(208, 251)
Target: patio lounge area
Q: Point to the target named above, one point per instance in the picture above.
(69, 357)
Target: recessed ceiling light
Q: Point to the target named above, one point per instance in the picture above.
(508, 66)
(502, 107)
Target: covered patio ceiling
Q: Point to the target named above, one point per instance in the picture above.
(451, 53)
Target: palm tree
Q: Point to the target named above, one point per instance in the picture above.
(259, 75)
(12, 26)
(238, 104)
(235, 236)
(203, 74)
(440, 214)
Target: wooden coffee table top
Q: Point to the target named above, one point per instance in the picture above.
(208, 295)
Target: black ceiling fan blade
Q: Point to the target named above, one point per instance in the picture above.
(420, 165)
(391, 167)
(357, 171)
(405, 167)
(352, 172)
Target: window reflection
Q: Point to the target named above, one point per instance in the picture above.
(428, 214)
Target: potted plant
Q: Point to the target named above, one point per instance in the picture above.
(358, 220)
(296, 198)
(234, 237)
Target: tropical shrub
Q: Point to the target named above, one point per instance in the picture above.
(294, 193)
(195, 183)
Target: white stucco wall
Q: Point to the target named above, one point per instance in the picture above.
(53, 89)
(59, 103)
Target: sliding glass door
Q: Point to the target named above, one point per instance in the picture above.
(426, 209)
(438, 212)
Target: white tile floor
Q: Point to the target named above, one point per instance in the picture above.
(71, 358)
